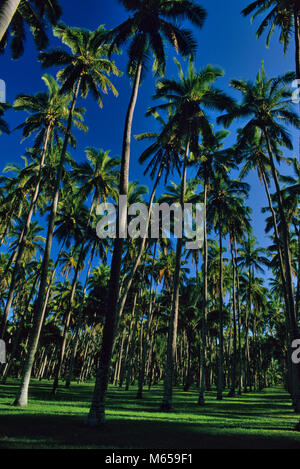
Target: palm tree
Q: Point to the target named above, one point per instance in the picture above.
(254, 155)
(98, 178)
(145, 30)
(48, 111)
(224, 199)
(253, 259)
(284, 14)
(14, 14)
(269, 104)
(211, 159)
(87, 70)
(188, 98)
(164, 158)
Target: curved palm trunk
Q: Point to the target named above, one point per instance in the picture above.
(167, 404)
(97, 409)
(22, 394)
(7, 12)
(23, 236)
(201, 399)
(221, 323)
(292, 316)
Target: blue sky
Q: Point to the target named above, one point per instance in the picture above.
(227, 40)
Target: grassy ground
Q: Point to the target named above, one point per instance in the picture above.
(261, 420)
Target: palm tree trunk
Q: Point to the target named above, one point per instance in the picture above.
(292, 320)
(129, 357)
(70, 305)
(277, 237)
(145, 337)
(78, 323)
(239, 320)
(22, 394)
(129, 280)
(20, 329)
(221, 321)
(234, 356)
(23, 237)
(166, 405)
(201, 399)
(97, 409)
(7, 12)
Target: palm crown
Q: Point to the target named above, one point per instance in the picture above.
(151, 21)
(32, 13)
(87, 61)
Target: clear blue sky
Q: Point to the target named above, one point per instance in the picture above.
(227, 40)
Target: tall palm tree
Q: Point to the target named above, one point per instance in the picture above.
(284, 14)
(15, 14)
(87, 69)
(48, 112)
(254, 156)
(164, 158)
(211, 159)
(224, 198)
(151, 21)
(98, 178)
(188, 97)
(268, 104)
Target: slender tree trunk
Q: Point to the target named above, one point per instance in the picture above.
(7, 12)
(23, 237)
(129, 280)
(146, 338)
(20, 328)
(277, 237)
(166, 405)
(78, 323)
(239, 321)
(234, 355)
(294, 332)
(97, 409)
(201, 398)
(129, 357)
(221, 323)
(22, 394)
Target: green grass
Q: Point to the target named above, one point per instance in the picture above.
(258, 420)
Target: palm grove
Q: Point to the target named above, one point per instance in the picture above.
(145, 311)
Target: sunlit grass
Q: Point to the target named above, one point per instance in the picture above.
(253, 420)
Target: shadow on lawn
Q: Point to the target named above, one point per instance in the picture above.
(231, 423)
(69, 432)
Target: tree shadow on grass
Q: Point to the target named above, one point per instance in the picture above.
(69, 432)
